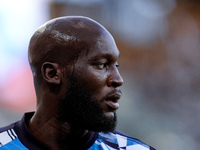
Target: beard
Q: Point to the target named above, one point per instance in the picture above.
(81, 111)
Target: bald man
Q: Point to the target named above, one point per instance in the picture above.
(74, 65)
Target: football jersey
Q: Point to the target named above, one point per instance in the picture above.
(17, 137)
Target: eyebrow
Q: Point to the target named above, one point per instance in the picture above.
(107, 56)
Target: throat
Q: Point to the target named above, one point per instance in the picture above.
(56, 135)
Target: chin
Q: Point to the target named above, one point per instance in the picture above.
(107, 124)
(110, 115)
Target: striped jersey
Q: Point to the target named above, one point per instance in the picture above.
(17, 137)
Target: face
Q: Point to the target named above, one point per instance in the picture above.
(93, 91)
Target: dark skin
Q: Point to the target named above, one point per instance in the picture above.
(75, 46)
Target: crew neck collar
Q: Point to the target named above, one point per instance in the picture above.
(28, 140)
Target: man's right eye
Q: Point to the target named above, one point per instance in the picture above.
(101, 65)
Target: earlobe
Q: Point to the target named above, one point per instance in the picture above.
(51, 72)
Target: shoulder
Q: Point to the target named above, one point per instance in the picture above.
(133, 140)
(11, 126)
(123, 141)
(7, 134)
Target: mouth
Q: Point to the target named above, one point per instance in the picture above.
(112, 100)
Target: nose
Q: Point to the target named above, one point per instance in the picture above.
(115, 79)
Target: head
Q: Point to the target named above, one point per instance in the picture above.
(75, 69)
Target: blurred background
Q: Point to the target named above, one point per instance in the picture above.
(159, 41)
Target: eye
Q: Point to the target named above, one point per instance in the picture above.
(101, 65)
(117, 65)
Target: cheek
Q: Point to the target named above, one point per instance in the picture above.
(93, 81)
(96, 81)
(98, 87)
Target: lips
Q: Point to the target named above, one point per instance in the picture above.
(112, 100)
(113, 105)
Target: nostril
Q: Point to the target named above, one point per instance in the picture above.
(120, 82)
(115, 82)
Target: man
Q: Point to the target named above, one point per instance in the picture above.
(76, 78)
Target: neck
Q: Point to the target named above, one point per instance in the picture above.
(53, 133)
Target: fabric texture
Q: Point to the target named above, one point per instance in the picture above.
(17, 137)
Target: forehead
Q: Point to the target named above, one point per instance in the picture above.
(102, 47)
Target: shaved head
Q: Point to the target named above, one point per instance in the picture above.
(61, 40)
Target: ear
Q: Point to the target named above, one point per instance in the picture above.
(51, 72)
